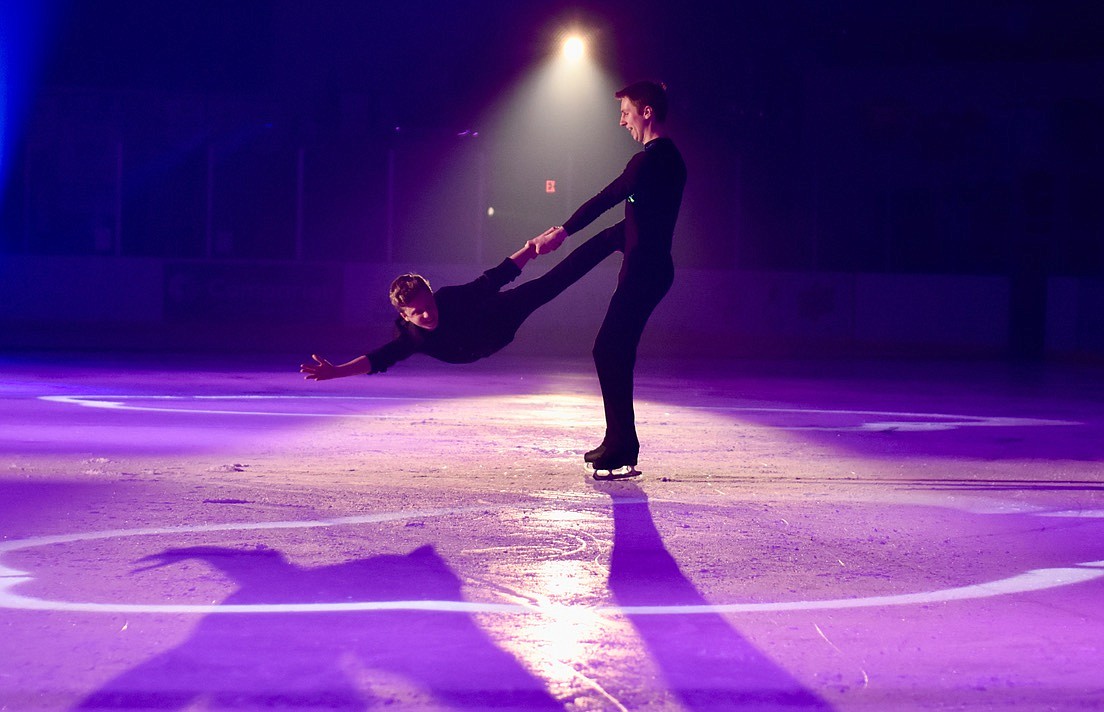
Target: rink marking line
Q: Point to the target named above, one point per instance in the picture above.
(117, 402)
(932, 422)
(1028, 581)
(1082, 513)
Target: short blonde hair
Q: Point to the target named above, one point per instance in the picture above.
(407, 286)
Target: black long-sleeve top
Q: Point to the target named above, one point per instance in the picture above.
(651, 186)
(469, 327)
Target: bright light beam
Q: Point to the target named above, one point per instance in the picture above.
(574, 48)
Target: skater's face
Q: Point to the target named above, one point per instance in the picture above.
(421, 311)
(633, 119)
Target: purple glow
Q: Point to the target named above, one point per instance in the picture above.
(427, 538)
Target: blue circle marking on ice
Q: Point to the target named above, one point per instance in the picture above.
(10, 578)
(881, 420)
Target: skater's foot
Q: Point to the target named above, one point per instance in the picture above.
(617, 473)
(612, 464)
(599, 452)
(595, 454)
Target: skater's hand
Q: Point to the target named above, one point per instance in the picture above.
(533, 246)
(549, 240)
(320, 370)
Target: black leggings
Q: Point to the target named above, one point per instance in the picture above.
(641, 286)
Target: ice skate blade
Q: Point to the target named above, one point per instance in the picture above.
(618, 473)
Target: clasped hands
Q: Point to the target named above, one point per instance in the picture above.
(548, 241)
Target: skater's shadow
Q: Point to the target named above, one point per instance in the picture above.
(316, 659)
(705, 661)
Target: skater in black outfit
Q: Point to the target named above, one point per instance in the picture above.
(464, 323)
(651, 187)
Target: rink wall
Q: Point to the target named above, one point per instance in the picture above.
(114, 303)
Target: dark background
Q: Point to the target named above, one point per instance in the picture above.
(954, 138)
(934, 136)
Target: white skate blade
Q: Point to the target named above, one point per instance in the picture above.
(618, 473)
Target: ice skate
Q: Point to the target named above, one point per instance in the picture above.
(617, 473)
(611, 465)
(600, 452)
(595, 454)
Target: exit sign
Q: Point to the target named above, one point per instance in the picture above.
(550, 186)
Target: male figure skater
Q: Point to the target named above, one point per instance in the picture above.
(465, 323)
(651, 188)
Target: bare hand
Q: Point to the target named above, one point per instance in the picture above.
(535, 243)
(549, 240)
(320, 370)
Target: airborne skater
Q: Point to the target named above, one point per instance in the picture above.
(465, 323)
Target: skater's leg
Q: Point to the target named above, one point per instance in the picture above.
(523, 300)
(615, 356)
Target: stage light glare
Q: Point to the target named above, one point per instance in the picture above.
(574, 48)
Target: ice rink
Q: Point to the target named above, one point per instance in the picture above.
(185, 533)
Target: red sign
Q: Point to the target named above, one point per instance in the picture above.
(550, 186)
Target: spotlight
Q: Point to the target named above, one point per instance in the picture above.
(573, 48)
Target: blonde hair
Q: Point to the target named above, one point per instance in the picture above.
(406, 286)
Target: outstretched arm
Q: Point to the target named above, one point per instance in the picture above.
(522, 256)
(617, 191)
(323, 370)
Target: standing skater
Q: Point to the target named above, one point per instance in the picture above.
(651, 187)
(464, 323)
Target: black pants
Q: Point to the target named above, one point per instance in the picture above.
(641, 286)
